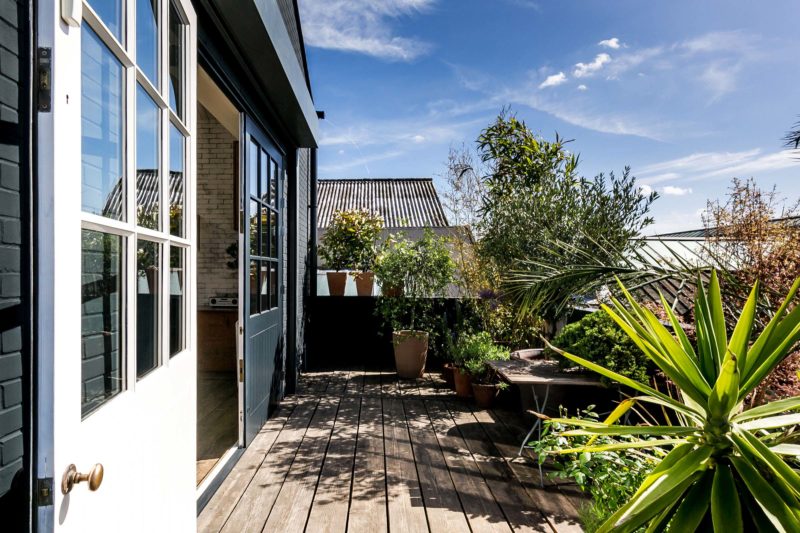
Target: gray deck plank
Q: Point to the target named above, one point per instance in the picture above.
(368, 497)
(406, 508)
(332, 500)
(252, 509)
(291, 509)
(519, 509)
(442, 505)
(557, 508)
(219, 508)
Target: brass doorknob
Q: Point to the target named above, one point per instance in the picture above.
(72, 477)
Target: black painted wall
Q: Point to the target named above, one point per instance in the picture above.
(15, 302)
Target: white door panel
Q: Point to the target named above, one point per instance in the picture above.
(93, 289)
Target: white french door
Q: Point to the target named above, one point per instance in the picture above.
(119, 260)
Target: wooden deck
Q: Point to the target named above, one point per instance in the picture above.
(361, 451)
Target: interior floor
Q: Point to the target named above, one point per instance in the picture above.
(217, 425)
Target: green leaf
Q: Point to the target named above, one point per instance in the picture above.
(770, 337)
(680, 408)
(726, 509)
(725, 394)
(632, 430)
(771, 408)
(655, 443)
(744, 326)
(780, 513)
(694, 506)
(750, 445)
(717, 318)
(706, 341)
(618, 412)
(786, 449)
(664, 491)
(772, 422)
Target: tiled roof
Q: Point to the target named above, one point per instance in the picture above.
(402, 202)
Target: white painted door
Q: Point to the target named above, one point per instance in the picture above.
(116, 282)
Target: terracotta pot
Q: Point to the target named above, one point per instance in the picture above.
(410, 353)
(392, 291)
(484, 394)
(336, 283)
(463, 383)
(365, 283)
(448, 375)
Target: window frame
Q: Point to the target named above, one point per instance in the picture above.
(158, 91)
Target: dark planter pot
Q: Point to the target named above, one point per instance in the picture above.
(463, 383)
(448, 375)
(484, 395)
(365, 283)
(410, 353)
(336, 283)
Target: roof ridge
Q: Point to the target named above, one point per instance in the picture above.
(376, 179)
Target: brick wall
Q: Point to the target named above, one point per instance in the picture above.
(215, 208)
(14, 249)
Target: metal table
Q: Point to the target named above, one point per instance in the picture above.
(540, 372)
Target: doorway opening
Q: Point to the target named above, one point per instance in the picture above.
(218, 302)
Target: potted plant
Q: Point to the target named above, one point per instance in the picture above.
(424, 269)
(364, 229)
(350, 243)
(472, 375)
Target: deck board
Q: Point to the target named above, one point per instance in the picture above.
(361, 451)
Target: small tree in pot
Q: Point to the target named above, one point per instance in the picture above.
(350, 243)
(473, 376)
(424, 270)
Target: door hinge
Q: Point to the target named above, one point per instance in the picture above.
(241, 370)
(44, 79)
(44, 492)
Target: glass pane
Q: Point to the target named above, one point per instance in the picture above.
(148, 188)
(101, 319)
(273, 285)
(273, 234)
(254, 287)
(264, 177)
(176, 300)
(111, 13)
(264, 286)
(102, 115)
(252, 168)
(176, 33)
(273, 184)
(254, 233)
(147, 38)
(265, 230)
(148, 292)
(177, 147)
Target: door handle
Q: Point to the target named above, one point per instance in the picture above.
(72, 477)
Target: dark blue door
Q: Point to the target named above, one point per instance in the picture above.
(261, 194)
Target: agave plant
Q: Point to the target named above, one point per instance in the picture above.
(726, 468)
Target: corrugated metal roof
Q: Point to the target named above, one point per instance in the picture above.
(147, 191)
(402, 202)
(712, 232)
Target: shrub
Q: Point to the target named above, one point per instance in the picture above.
(350, 240)
(609, 477)
(599, 339)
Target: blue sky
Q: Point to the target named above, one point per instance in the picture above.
(689, 94)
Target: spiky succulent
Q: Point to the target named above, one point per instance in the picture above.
(727, 468)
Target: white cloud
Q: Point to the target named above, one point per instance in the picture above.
(585, 70)
(582, 87)
(672, 190)
(418, 138)
(554, 80)
(720, 78)
(362, 26)
(359, 162)
(646, 190)
(710, 165)
(610, 43)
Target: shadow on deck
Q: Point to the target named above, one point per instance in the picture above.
(362, 451)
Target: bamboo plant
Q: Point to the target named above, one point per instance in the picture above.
(728, 469)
